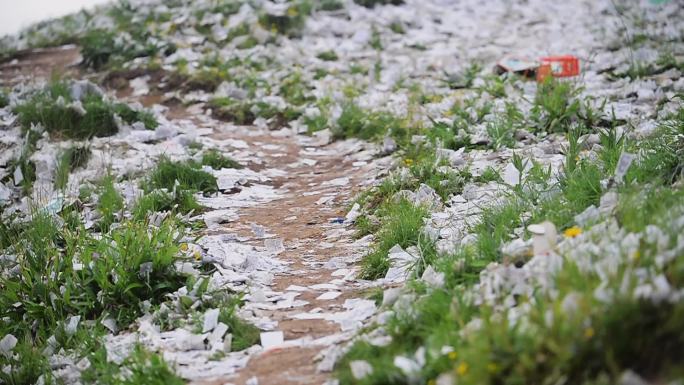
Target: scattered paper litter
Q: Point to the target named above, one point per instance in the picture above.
(338, 182)
(400, 264)
(274, 245)
(296, 288)
(433, 278)
(72, 325)
(8, 343)
(323, 286)
(272, 339)
(330, 295)
(210, 320)
(360, 369)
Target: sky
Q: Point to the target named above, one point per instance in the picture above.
(16, 14)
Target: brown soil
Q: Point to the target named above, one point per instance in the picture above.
(34, 64)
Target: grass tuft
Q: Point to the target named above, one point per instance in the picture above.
(214, 159)
(187, 174)
(92, 116)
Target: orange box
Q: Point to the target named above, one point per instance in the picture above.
(558, 67)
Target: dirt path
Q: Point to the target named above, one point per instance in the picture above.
(312, 237)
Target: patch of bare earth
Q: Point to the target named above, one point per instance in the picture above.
(306, 234)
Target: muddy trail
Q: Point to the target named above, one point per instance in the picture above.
(315, 185)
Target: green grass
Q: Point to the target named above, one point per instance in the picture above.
(554, 106)
(214, 159)
(330, 5)
(103, 48)
(140, 367)
(397, 27)
(501, 131)
(597, 340)
(294, 89)
(62, 120)
(232, 110)
(465, 78)
(91, 276)
(110, 203)
(182, 201)
(4, 99)
(290, 24)
(187, 174)
(27, 363)
(638, 69)
(356, 122)
(490, 174)
(171, 185)
(400, 225)
(27, 167)
(373, 3)
(245, 334)
(663, 152)
(69, 160)
(328, 56)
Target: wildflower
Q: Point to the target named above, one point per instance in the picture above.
(292, 12)
(636, 255)
(589, 332)
(184, 247)
(452, 355)
(462, 369)
(432, 382)
(572, 232)
(198, 256)
(408, 162)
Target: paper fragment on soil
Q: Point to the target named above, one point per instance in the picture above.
(272, 339)
(330, 295)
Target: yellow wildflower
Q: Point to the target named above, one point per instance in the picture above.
(408, 162)
(197, 256)
(589, 332)
(292, 12)
(572, 232)
(452, 355)
(636, 255)
(432, 382)
(462, 369)
(184, 247)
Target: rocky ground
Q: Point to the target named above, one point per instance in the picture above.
(229, 192)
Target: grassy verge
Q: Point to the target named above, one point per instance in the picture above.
(579, 322)
(65, 112)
